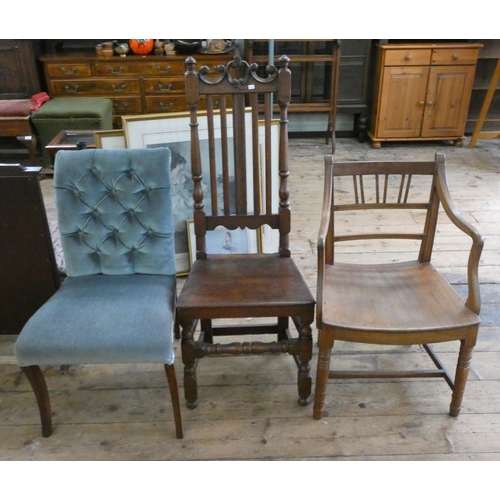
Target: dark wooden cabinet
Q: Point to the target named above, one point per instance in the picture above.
(353, 96)
(19, 68)
(28, 270)
(315, 71)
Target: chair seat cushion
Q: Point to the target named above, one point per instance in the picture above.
(70, 107)
(102, 319)
(15, 107)
(407, 296)
(235, 286)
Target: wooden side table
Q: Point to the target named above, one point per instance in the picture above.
(71, 140)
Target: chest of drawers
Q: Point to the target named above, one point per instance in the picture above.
(135, 84)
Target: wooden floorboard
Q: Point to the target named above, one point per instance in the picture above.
(248, 405)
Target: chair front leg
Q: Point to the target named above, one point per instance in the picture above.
(462, 372)
(305, 355)
(322, 374)
(189, 361)
(174, 396)
(37, 381)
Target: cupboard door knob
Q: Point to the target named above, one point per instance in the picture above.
(420, 103)
(408, 57)
(430, 103)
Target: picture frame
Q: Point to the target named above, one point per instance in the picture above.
(172, 130)
(109, 139)
(223, 241)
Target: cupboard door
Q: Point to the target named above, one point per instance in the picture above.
(447, 100)
(402, 101)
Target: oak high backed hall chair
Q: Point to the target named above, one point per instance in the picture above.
(117, 304)
(391, 303)
(245, 188)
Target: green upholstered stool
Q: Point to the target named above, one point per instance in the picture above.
(72, 113)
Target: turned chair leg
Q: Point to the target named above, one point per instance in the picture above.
(463, 366)
(189, 361)
(322, 375)
(305, 356)
(174, 395)
(37, 381)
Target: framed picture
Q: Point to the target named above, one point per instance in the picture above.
(269, 238)
(223, 241)
(172, 130)
(109, 139)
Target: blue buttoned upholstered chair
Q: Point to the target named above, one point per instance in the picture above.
(117, 303)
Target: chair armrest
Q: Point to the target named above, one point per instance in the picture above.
(474, 297)
(323, 234)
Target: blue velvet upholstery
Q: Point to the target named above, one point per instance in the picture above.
(102, 319)
(114, 215)
(116, 306)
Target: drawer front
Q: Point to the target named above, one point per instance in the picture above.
(164, 86)
(164, 68)
(127, 105)
(165, 104)
(407, 57)
(68, 70)
(107, 87)
(454, 56)
(111, 69)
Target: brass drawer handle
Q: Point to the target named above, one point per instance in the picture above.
(64, 71)
(163, 70)
(120, 108)
(455, 57)
(166, 106)
(168, 88)
(121, 88)
(71, 90)
(408, 57)
(116, 72)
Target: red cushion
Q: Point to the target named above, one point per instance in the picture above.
(15, 107)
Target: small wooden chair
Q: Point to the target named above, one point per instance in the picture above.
(247, 188)
(395, 303)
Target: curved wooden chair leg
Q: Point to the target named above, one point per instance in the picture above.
(174, 395)
(37, 381)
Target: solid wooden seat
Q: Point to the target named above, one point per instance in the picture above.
(391, 303)
(215, 289)
(246, 188)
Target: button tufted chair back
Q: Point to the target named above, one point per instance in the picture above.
(114, 217)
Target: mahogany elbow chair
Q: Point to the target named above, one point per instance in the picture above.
(391, 303)
(117, 304)
(244, 189)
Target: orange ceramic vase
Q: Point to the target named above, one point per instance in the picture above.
(141, 46)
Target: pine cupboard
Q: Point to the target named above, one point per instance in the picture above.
(422, 92)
